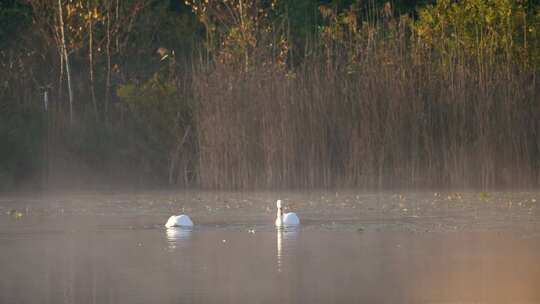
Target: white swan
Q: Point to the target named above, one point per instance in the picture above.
(179, 221)
(287, 219)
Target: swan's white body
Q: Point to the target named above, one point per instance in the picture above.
(286, 220)
(179, 221)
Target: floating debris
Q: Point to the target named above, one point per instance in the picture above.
(15, 213)
(484, 195)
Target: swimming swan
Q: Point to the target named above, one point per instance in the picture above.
(287, 219)
(179, 221)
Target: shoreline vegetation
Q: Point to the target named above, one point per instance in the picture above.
(240, 94)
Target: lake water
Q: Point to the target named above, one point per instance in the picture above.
(351, 248)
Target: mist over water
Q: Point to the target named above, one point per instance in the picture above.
(113, 248)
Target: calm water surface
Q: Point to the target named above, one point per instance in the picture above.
(114, 249)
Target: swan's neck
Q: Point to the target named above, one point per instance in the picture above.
(279, 215)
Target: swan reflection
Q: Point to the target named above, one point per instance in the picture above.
(286, 239)
(177, 237)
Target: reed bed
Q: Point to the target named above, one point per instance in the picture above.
(395, 116)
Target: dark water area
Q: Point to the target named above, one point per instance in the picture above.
(350, 248)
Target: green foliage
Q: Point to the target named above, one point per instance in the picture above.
(156, 109)
(242, 33)
(486, 30)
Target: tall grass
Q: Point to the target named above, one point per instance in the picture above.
(374, 110)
